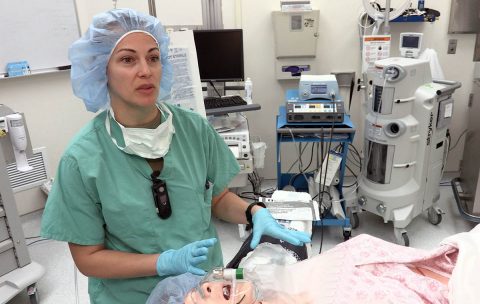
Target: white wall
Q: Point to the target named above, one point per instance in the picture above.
(54, 114)
(338, 51)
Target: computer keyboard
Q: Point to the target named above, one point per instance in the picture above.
(223, 102)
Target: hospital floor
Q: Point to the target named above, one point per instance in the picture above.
(59, 283)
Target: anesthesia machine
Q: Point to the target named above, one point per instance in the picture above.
(405, 142)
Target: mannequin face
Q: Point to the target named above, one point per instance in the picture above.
(220, 292)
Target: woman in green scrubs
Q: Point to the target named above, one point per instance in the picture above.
(137, 187)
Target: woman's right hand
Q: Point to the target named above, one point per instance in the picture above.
(185, 259)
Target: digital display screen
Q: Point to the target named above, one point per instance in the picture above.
(318, 89)
(219, 54)
(410, 41)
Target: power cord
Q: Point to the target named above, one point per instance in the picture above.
(211, 82)
(296, 161)
(301, 169)
(38, 241)
(458, 140)
(256, 182)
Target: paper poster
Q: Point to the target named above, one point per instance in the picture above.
(187, 88)
(375, 47)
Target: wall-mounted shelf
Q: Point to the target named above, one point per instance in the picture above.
(426, 15)
(410, 18)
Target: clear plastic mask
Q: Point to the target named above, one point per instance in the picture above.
(216, 288)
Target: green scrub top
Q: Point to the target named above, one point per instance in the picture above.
(102, 195)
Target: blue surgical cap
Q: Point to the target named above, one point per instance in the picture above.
(173, 290)
(90, 54)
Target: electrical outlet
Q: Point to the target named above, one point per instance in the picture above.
(452, 46)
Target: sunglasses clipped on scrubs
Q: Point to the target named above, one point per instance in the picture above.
(160, 196)
(215, 286)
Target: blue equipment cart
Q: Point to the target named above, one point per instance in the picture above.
(339, 133)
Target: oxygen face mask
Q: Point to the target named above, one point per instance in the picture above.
(222, 286)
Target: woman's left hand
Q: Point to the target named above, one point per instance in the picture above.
(264, 223)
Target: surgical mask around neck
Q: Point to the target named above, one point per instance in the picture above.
(144, 142)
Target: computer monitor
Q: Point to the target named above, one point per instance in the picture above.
(410, 44)
(219, 54)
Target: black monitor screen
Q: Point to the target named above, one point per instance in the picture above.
(410, 41)
(219, 54)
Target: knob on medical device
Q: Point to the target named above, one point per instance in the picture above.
(18, 137)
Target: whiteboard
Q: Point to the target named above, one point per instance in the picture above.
(39, 32)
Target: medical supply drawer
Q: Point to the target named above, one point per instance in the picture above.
(8, 262)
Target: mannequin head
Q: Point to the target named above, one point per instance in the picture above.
(219, 292)
(222, 286)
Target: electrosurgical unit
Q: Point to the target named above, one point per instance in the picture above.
(406, 143)
(318, 87)
(316, 100)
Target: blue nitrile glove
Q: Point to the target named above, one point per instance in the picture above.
(185, 259)
(264, 223)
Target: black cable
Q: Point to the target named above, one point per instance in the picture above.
(358, 154)
(254, 198)
(296, 161)
(352, 86)
(323, 192)
(355, 157)
(300, 160)
(253, 182)
(311, 157)
(256, 182)
(321, 165)
(268, 192)
(351, 171)
(356, 178)
(302, 170)
(351, 185)
(458, 140)
(327, 209)
(38, 241)
(353, 161)
(448, 135)
(32, 237)
(211, 82)
(328, 158)
(321, 237)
